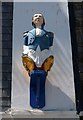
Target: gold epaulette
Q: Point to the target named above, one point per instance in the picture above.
(48, 63)
(28, 63)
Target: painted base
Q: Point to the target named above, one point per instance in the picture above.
(37, 88)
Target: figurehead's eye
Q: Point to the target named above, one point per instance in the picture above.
(40, 16)
(35, 15)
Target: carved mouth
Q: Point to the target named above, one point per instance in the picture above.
(37, 19)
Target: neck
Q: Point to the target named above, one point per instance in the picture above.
(38, 27)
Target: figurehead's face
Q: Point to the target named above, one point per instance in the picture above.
(38, 20)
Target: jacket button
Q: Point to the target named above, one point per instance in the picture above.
(31, 40)
(46, 35)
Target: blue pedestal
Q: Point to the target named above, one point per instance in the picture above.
(37, 88)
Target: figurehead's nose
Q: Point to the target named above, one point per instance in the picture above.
(38, 16)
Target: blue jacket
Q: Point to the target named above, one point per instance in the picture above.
(44, 41)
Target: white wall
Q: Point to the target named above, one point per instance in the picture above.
(60, 93)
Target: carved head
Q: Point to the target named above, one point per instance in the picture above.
(38, 20)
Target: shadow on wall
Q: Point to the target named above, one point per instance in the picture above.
(58, 99)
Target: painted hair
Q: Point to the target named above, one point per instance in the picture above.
(42, 24)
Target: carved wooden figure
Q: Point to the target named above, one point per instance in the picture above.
(37, 59)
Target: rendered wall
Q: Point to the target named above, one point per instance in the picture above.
(60, 93)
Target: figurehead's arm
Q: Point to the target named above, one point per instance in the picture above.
(27, 62)
(51, 37)
(25, 46)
